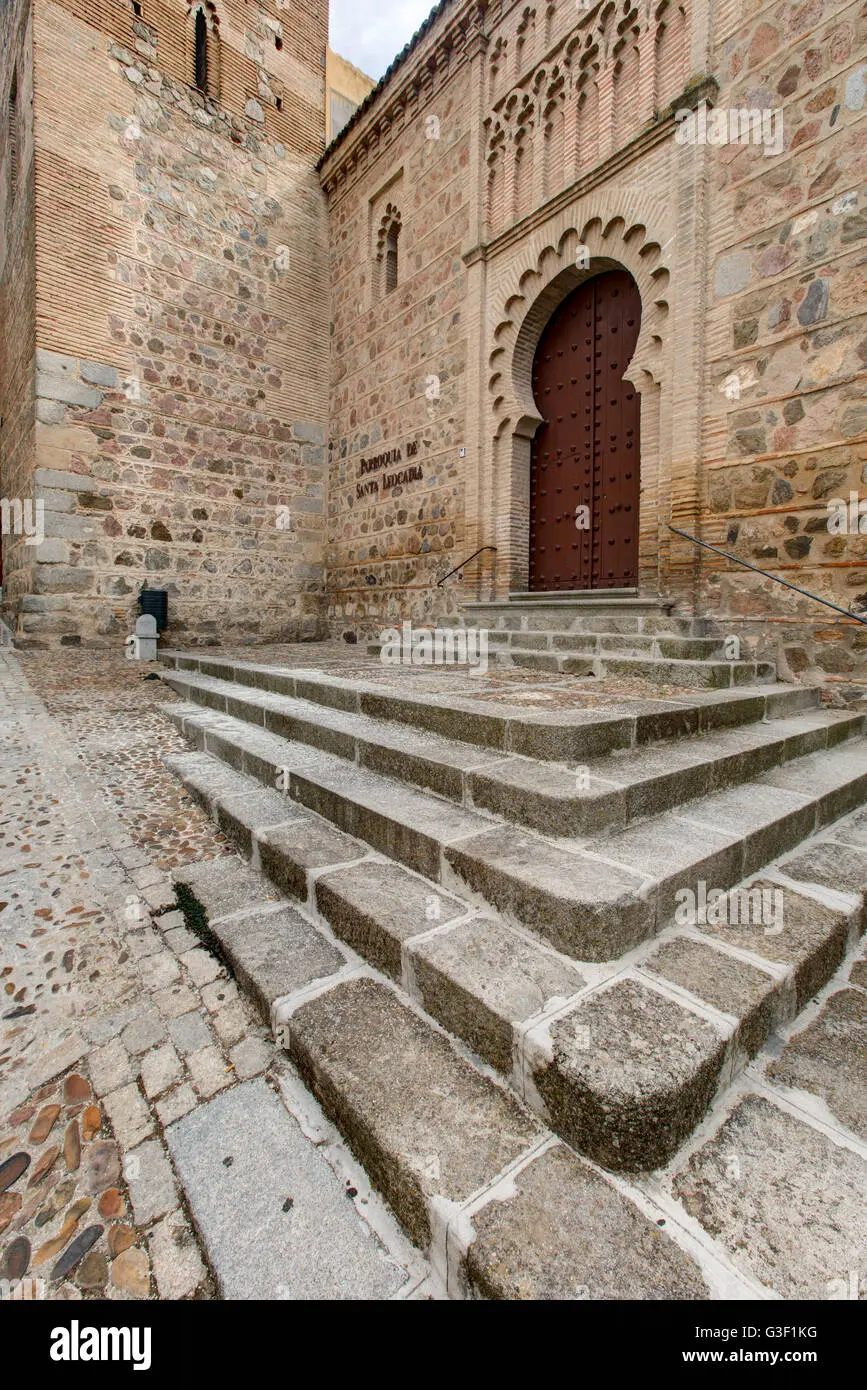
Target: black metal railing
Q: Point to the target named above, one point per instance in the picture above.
(464, 562)
(847, 612)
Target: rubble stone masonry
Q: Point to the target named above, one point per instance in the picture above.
(526, 146)
(17, 284)
(224, 328)
(180, 370)
(786, 319)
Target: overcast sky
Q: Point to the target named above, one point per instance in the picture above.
(372, 32)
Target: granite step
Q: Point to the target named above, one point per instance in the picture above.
(621, 1061)
(689, 662)
(623, 787)
(559, 735)
(625, 644)
(501, 644)
(591, 898)
(580, 660)
(473, 1176)
(554, 609)
(435, 1131)
(627, 616)
(555, 798)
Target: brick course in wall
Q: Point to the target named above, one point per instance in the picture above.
(749, 267)
(204, 339)
(181, 323)
(17, 296)
(399, 363)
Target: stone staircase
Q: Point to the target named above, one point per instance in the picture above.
(486, 983)
(609, 637)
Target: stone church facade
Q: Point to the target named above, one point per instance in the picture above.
(295, 386)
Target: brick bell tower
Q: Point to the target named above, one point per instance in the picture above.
(164, 301)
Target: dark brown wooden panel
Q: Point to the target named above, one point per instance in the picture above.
(586, 452)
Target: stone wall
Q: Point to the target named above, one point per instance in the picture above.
(17, 300)
(500, 140)
(167, 366)
(751, 356)
(786, 427)
(181, 322)
(399, 361)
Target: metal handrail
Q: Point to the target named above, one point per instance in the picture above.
(847, 612)
(442, 581)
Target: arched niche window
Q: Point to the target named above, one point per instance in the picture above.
(201, 55)
(391, 243)
(206, 49)
(388, 250)
(13, 138)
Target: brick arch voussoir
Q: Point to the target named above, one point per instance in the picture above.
(546, 271)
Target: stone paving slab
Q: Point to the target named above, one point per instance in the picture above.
(480, 980)
(560, 1231)
(275, 953)
(583, 912)
(226, 885)
(674, 854)
(812, 939)
(289, 854)
(858, 973)
(443, 1132)
(828, 1059)
(836, 778)
(770, 820)
(629, 1074)
(206, 778)
(783, 1198)
(830, 863)
(728, 984)
(375, 906)
(685, 674)
(852, 830)
(546, 796)
(241, 817)
(400, 822)
(274, 1219)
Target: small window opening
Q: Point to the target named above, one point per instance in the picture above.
(391, 259)
(279, 103)
(201, 51)
(12, 136)
(136, 8)
(278, 42)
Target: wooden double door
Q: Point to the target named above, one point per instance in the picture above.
(585, 471)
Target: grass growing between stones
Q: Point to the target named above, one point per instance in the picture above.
(196, 921)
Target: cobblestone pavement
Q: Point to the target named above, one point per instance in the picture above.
(114, 1022)
(95, 1056)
